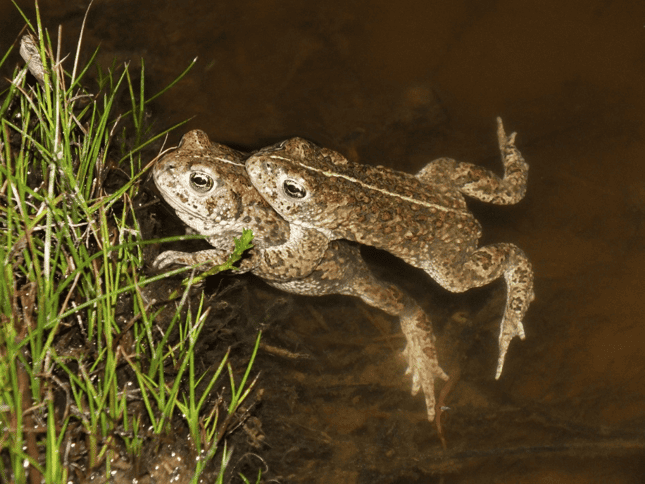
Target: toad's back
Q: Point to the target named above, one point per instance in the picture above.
(411, 218)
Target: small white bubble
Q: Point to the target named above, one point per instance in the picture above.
(113, 473)
(173, 454)
(25, 463)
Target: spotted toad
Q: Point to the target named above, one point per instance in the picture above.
(420, 218)
(207, 185)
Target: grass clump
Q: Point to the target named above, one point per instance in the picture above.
(76, 325)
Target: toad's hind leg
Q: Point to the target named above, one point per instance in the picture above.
(484, 265)
(420, 351)
(343, 271)
(480, 183)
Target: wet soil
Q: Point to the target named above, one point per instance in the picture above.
(400, 84)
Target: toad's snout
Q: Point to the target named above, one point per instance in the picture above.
(259, 171)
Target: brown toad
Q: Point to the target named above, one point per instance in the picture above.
(420, 218)
(207, 185)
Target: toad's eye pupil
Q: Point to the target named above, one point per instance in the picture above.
(294, 189)
(201, 182)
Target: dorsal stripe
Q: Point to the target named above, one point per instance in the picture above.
(229, 161)
(372, 187)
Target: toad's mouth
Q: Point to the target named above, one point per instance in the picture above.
(197, 218)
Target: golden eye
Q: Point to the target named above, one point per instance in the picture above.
(201, 182)
(293, 189)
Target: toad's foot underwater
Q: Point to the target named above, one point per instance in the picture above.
(207, 185)
(422, 218)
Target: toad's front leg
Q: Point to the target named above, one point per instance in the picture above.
(206, 259)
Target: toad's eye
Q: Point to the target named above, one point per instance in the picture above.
(293, 189)
(201, 182)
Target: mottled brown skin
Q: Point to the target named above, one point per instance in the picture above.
(420, 218)
(208, 187)
(226, 208)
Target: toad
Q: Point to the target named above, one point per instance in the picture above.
(422, 218)
(207, 185)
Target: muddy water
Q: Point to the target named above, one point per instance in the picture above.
(399, 84)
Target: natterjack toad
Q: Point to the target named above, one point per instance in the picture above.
(207, 185)
(420, 218)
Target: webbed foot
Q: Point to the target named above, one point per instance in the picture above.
(421, 355)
